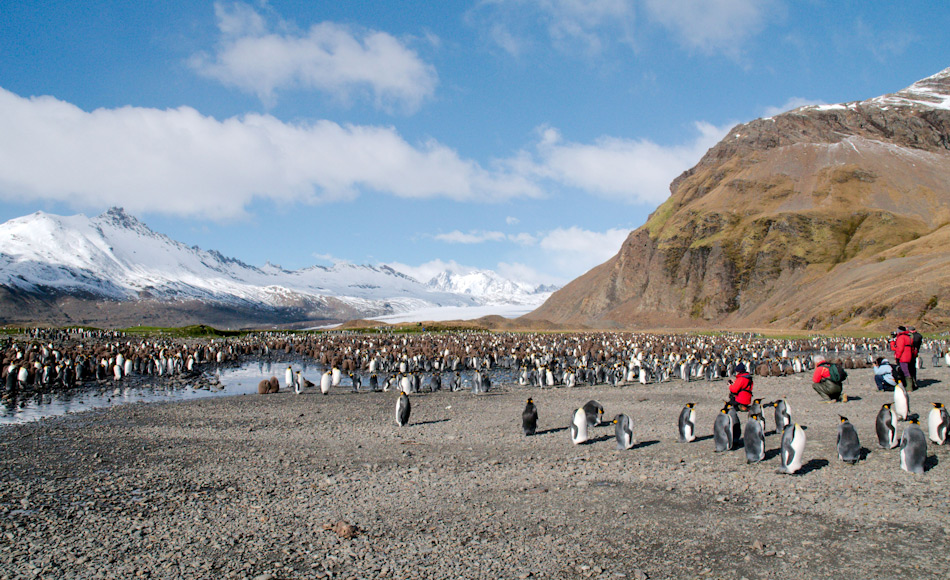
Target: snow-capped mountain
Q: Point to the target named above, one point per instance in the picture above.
(490, 288)
(116, 257)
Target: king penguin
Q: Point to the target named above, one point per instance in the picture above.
(623, 430)
(579, 426)
(901, 402)
(337, 376)
(403, 407)
(886, 427)
(594, 412)
(736, 425)
(687, 423)
(722, 431)
(325, 381)
(529, 418)
(783, 415)
(937, 423)
(289, 377)
(754, 439)
(849, 447)
(913, 447)
(793, 445)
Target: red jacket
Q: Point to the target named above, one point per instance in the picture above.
(742, 388)
(903, 348)
(821, 372)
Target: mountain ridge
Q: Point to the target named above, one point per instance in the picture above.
(809, 219)
(48, 261)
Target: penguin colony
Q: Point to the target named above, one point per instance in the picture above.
(63, 359)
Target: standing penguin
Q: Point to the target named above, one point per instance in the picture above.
(793, 445)
(756, 409)
(913, 447)
(289, 377)
(687, 423)
(594, 412)
(325, 382)
(886, 427)
(736, 425)
(374, 382)
(403, 407)
(529, 418)
(783, 415)
(754, 439)
(722, 431)
(298, 383)
(579, 426)
(337, 377)
(356, 382)
(849, 447)
(938, 420)
(624, 432)
(901, 402)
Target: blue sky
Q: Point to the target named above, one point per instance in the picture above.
(524, 136)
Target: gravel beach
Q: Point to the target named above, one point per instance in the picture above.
(255, 486)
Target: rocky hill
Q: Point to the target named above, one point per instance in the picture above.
(824, 217)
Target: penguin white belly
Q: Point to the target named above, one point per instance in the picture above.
(793, 445)
(325, 381)
(937, 426)
(337, 377)
(901, 402)
(579, 427)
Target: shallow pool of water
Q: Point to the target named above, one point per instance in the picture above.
(23, 407)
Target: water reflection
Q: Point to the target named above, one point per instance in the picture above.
(25, 406)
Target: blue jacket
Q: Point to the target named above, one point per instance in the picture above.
(884, 371)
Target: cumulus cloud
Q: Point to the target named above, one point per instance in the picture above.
(180, 162)
(573, 251)
(792, 103)
(632, 171)
(713, 25)
(329, 57)
(511, 220)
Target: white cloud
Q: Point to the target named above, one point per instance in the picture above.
(429, 270)
(713, 25)
(512, 221)
(520, 272)
(570, 24)
(633, 171)
(577, 250)
(329, 57)
(472, 237)
(180, 162)
(792, 103)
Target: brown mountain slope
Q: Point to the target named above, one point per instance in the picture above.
(822, 217)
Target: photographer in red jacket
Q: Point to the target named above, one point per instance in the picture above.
(741, 389)
(904, 354)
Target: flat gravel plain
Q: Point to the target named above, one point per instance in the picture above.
(255, 486)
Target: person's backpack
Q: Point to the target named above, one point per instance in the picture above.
(916, 340)
(836, 373)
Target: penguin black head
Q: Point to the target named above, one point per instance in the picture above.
(530, 400)
(914, 420)
(690, 405)
(937, 405)
(843, 419)
(886, 406)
